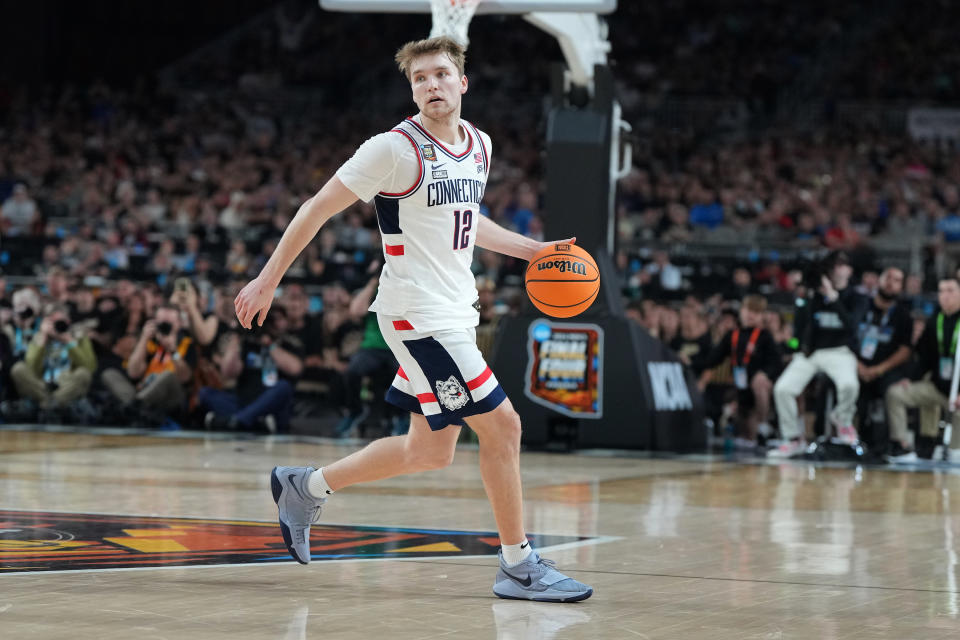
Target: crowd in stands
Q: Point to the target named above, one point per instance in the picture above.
(728, 48)
(135, 221)
(877, 351)
(131, 217)
(912, 57)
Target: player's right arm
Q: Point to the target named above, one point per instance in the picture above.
(254, 300)
(385, 162)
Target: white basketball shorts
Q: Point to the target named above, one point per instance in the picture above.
(442, 374)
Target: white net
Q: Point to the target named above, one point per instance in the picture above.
(452, 18)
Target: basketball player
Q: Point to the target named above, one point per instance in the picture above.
(426, 176)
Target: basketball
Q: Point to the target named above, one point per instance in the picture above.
(562, 280)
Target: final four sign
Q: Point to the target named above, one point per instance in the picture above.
(565, 368)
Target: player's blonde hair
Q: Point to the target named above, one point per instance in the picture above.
(442, 44)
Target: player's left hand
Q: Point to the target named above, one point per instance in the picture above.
(544, 245)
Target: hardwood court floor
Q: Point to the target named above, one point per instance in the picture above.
(687, 548)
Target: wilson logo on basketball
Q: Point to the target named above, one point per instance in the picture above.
(562, 280)
(563, 266)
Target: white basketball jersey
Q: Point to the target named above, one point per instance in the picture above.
(429, 232)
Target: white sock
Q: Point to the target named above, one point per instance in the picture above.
(317, 485)
(516, 553)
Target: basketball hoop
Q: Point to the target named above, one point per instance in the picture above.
(452, 18)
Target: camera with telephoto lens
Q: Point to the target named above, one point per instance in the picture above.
(814, 271)
(164, 328)
(813, 275)
(61, 326)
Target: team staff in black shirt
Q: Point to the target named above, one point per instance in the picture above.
(935, 356)
(823, 326)
(883, 346)
(754, 360)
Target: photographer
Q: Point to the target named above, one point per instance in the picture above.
(823, 326)
(161, 366)
(935, 355)
(258, 373)
(883, 348)
(59, 363)
(25, 322)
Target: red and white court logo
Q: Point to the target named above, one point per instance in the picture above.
(49, 541)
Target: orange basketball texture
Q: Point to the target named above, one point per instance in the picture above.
(562, 280)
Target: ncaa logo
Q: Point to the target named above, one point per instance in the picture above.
(541, 331)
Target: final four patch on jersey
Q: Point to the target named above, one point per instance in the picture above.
(429, 153)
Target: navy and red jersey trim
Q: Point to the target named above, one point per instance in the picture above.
(416, 185)
(483, 148)
(440, 144)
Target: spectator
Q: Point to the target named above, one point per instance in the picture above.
(186, 262)
(238, 261)
(262, 394)
(755, 362)
(883, 348)
(740, 286)
(233, 217)
(374, 361)
(694, 338)
(634, 312)
(935, 355)
(650, 318)
(669, 327)
(824, 327)
(678, 227)
(19, 213)
(302, 323)
(58, 286)
(159, 370)
(707, 212)
(6, 363)
(26, 321)
(59, 364)
(204, 329)
(663, 276)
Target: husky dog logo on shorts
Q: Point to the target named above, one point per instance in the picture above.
(451, 394)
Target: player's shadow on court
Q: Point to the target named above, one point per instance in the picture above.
(535, 620)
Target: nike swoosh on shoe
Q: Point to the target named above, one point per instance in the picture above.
(290, 479)
(523, 583)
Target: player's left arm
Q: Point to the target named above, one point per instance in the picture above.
(493, 237)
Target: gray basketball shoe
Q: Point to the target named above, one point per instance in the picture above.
(537, 579)
(298, 509)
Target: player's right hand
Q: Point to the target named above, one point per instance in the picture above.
(253, 302)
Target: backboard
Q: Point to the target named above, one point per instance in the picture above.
(486, 6)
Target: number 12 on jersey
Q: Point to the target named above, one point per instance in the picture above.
(462, 223)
